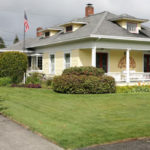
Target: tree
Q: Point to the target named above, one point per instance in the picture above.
(2, 44)
(16, 40)
(13, 65)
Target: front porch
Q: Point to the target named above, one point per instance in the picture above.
(128, 67)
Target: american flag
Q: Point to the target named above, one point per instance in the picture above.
(26, 25)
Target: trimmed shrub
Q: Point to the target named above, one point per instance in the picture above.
(5, 81)
(73, 84)
(13, 65)
(133, 89)
(89, 71)
(34, 78)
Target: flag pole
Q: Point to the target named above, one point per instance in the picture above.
(24, 78)
(24, 35)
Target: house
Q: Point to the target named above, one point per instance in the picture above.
(120, 44)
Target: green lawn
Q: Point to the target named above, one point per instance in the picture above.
(74, 121)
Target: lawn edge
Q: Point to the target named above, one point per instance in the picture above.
(115, 142)
(29, 129)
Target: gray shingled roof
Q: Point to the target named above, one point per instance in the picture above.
(99, 24)
(129, 17)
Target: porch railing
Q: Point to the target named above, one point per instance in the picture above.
(134, 76)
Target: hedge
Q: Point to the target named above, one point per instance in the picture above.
(13, 65)
(73, 84)
(89, 71)
(5, 81)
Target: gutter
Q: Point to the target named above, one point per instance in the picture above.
(15, 51)
(120, 38)
(94, 36)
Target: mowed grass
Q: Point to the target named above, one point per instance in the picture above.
(75, 121)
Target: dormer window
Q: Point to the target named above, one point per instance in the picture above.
(47, 34)
(132, 27)
(69, 28)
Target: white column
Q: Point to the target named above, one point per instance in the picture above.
(94, 56)
(128, 65)
(36, 57)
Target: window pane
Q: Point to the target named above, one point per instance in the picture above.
(132, 27)
(29, 61)
(67, 61)
(52, 67)
(69, 29)
(47, 34)
(40, 63)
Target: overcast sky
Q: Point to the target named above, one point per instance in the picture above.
(46, 13)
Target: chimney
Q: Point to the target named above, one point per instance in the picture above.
(89, 10)
(39, 32)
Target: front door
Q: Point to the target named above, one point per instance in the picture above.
(146, 63)
(102, 61)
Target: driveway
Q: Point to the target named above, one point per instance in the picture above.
(15, 137)
(143, 144)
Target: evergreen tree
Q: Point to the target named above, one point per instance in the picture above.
(2, 44)
(16, 40)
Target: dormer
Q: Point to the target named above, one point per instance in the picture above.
(50, 31)
(130, 23)
(72, 26)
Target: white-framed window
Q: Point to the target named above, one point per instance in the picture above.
(40, 62)
(132, 27)
(52, 64)
(67, 60)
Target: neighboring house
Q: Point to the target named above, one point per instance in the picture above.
(119, 44)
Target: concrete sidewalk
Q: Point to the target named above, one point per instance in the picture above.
(15, 137)
(143, 144)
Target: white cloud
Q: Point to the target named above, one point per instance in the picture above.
(50, 12)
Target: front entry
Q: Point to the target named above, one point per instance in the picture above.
(146, 63)
(102, 61)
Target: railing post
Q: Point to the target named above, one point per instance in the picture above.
(128, 65)
(94, 56)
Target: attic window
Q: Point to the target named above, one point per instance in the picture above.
(47, 34)
(132, 27)
(69, 29)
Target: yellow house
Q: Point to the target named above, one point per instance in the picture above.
(119, 44)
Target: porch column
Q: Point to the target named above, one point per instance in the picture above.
(36, 57)
(128, 65)
(94, 56)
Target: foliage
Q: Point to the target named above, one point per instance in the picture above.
(72, 121)
(84, 71)
(133, 89)
(49, 82)
(27, 85)
(13, 65)
(5, 81)
(34, 78)
(2, 43)
(73, 84)
(16, 40)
